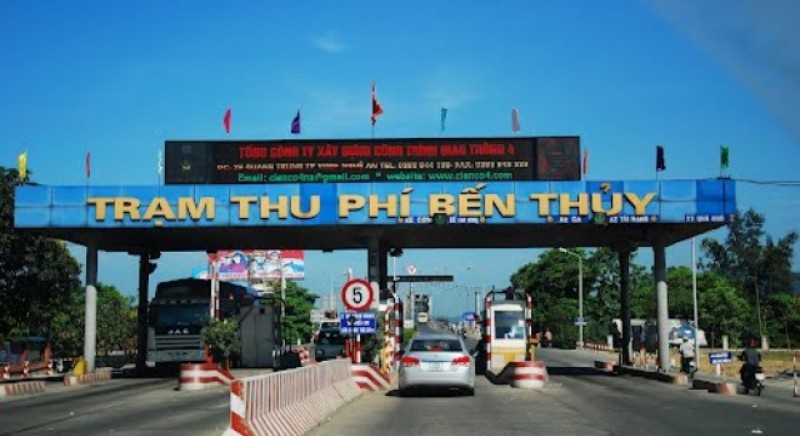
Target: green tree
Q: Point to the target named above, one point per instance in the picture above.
(222, 337)
(116, 323)
(786, 313)
(757, 264)
(38, 276)
(299, 303)
(721, 309)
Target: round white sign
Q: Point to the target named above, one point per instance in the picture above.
(357, 295)
(411, 269)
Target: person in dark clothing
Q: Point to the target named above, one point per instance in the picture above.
(752, 361)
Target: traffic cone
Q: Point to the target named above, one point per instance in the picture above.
(49, 370)
(7, 372)
(26, 371)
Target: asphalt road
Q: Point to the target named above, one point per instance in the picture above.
(122, 406)
(578, 401)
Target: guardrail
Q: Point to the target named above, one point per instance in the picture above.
(290, 402)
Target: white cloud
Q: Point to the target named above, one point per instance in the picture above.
(328, 42)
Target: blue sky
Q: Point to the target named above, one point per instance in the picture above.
(119, 80)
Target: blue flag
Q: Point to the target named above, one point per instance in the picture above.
(444, 117)
(296, 123)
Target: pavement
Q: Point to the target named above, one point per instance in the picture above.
(579, 401)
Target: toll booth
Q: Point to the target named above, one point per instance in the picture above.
(507, 329)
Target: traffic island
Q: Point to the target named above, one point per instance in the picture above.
(100, 375)
(22, 388)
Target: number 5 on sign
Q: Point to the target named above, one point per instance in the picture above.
(357, 295)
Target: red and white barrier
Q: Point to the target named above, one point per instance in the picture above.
(199, 376)
(290, 402)
(370, 378)
(22, 388)
(598, 346)
(100, 374)
(528, 375)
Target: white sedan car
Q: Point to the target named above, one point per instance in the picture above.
(438, 361)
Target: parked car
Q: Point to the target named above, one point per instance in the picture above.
(437, 361)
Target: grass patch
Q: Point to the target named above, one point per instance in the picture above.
(773, 362)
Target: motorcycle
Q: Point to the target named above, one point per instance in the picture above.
(753, 380)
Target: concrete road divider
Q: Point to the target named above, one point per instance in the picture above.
(528, 375)
(522, 374)
(100, 374)
(21, 388)
(599, 347)
(290, 402)
(605, 365)
(721, 387)
(199, 376)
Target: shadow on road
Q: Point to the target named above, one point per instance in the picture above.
(427, 393)
(577, 371)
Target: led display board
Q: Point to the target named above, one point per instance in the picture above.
(373, 160)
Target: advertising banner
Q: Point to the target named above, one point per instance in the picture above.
(244, 265)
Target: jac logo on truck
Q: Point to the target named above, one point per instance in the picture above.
(178, 332)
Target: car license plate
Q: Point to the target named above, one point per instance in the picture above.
(436, 366)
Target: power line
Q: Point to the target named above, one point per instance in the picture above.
(784, 183)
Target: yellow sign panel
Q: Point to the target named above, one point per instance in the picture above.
(466, 204)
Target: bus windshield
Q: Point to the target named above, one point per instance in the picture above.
(509, 325)
(180, 316)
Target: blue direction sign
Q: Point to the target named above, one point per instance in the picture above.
(468, 316)
(358, 322)
(720, 357)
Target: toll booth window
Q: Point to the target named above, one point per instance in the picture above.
(509, 325)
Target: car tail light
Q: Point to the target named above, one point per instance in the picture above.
(461, 361)
(410, 361)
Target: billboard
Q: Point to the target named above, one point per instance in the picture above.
(374, 160)
(246, 265)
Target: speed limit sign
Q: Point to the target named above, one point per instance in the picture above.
(357, 295)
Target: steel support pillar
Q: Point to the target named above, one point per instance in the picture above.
(141, 319)
(625, 303)
(660, 275)
(377, 262)
(90, 333)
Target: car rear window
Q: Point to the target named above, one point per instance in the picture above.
(436, 345)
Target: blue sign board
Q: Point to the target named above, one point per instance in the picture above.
(316, 204)
(720, 357)
(363, 322)
(468, 316)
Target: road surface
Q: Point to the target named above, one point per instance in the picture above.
(121, 406)
(578, 401)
